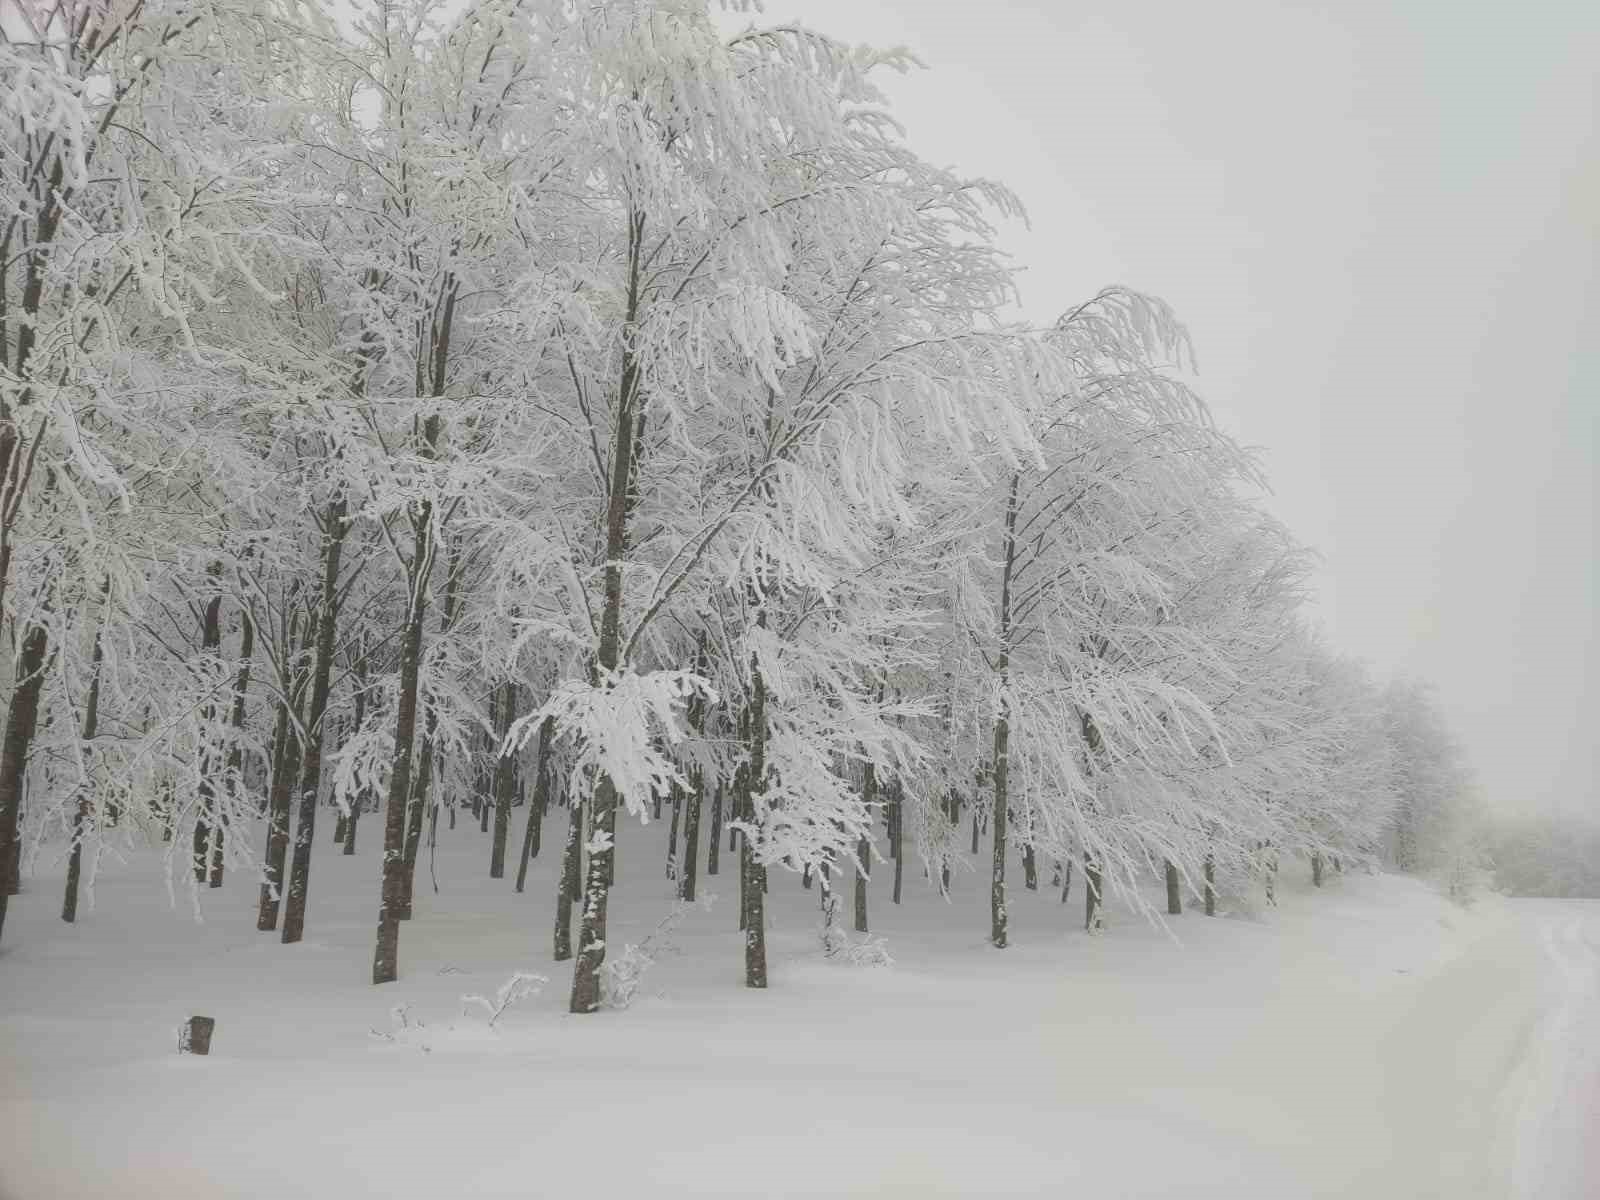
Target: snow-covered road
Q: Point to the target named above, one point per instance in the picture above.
(1491, 1077)
(1558, 1113)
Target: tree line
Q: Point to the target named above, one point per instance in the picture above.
(585, 411)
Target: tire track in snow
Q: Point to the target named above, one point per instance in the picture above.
(1556, 1109)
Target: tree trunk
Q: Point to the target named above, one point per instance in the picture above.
(754, 898)
(206, 811)
(386, 950)
(1066, 879)
(285, 768)
(740, 804)
(897, 803)
(1030, 868)
(422, 780)
(869, 797)
(421, 786)
(1211, 889)
(356, 807)
(541, 798)
(714, 842)
(1091, 894)
(691, 835)
(672, 833)
(1002, 732)
(358, 720)
(567, 887)
(1174, 899)
(84, 813)
(952, 811)
(997, 885)
(592, 934)
(1316, 870)
(333, 535)
(21, 719)
(234, 768)
(505, 781)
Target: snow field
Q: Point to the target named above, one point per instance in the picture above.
(1368, 1038)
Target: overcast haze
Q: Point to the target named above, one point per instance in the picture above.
(1380, 224)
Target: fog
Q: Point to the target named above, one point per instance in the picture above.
(1379, 222)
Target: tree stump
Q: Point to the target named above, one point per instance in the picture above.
(196, 1036)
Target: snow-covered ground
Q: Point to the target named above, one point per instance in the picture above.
(1368, 1039)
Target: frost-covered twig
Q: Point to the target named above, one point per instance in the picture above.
(620, 976)
(871, 951)
(519, 987)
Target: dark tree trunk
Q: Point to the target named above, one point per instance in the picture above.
(83, 816)
(869, 796)
(1093, 744)
(206, 814)
(21, 719)
(672, 833)
(357, 719)
(421, 786)
(897, 806)
(740, 805)
(753, 899)
(1002, 732)
(285, 768)
(541, 798)
(997, 885)
(1174, 899)
(691, 835)
(714, 842)
(568, 886)
(1211, 888)
(235, 762)
(386, 949)
(1316, 870)
(1030, 868)
(294, 909)
(505, 782)
(585, 996)
(697, 789)
(952, 810)
(1066, 880)
(863, 877)
(356, 806)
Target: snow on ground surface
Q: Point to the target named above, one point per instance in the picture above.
(1369, 1039)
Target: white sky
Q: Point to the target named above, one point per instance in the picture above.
(1380, 220)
